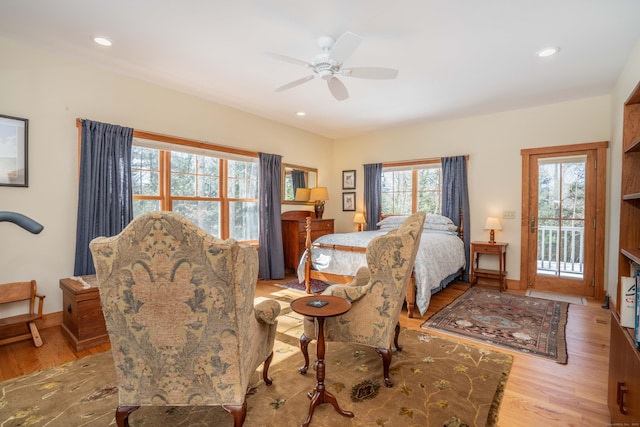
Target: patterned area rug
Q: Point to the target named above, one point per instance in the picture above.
(437, 382)
(530, 325)
(317, 286)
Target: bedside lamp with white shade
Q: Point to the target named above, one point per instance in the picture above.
(493, 223)
(359, 219)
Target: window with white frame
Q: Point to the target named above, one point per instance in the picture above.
(411, 187)
(218, 191)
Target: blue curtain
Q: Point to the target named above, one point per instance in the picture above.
(104, 199)
(372, 194)
(455, 195)
(270, 250)
(297, 178)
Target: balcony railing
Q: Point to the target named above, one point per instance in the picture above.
(561, 252)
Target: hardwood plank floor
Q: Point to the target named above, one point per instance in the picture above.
(538, 392)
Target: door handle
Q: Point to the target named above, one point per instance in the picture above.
(533, 224)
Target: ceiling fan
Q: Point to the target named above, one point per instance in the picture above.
(328, 64)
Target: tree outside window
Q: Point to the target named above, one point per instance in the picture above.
(217, 194)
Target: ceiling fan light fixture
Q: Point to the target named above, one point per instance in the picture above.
(328, 64)
(547, 51)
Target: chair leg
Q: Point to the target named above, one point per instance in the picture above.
(37, 340)
(122, 415)
(265, 370)
(395, 338)
(304, 347)
(238, 413)
(385, 353)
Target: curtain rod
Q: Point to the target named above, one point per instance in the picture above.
(184, 141)
(417, 162)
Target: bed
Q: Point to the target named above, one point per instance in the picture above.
(440, 259)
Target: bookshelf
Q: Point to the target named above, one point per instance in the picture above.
(624, 358)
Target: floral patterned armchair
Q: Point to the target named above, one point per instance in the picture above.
(376, 294)
(178, 305)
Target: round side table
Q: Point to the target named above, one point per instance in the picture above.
(320, 307)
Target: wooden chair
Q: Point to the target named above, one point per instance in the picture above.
(22, 291)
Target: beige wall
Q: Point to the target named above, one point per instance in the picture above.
(52, 91)
(493, 143)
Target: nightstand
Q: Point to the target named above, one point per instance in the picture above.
(486, 248)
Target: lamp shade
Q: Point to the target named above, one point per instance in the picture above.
(302, 194)
(359, 218)
(319, 193)
(493, 223)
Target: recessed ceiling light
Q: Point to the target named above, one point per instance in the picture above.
(547, 51)
(102, 41)
(301, 113)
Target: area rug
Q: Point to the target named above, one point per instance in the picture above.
(530, 325)
(437, 382)
(317, 286)
(571, 299)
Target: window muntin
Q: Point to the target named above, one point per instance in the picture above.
(219, 195)
(412, 188)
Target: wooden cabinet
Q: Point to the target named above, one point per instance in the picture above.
(624, 358)
(82, 319)
(294, 234)
(624, 377)
(500, 250)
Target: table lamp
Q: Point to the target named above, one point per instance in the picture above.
(318, 195)
(302, 194)
(359, 219)
(492, 224)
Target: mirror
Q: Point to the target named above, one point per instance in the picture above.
(301, 174)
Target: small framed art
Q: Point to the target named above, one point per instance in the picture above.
(13, 151)
(349, 180)
(349, 201)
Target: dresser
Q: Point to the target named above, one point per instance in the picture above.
(294, 234)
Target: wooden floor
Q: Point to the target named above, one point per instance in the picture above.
(538, 392)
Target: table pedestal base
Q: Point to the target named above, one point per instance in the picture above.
(320, 396)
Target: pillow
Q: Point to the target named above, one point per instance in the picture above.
(451, 233)
(437, 219)
(393, 221)
(440, 227)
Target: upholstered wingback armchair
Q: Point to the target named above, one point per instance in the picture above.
(376, 294)
(179, 309)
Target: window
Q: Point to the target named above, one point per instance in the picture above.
(411, 187)
(215, 191)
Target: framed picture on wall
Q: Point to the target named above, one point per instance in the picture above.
(349, 180)
(13, 151)
(349, 201)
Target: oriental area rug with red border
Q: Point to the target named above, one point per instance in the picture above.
(529, 325)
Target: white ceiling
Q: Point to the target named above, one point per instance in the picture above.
(456, 57)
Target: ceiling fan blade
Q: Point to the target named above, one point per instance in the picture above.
(289, 59)
(337, 89)
(370, 73)
(344, 47)
(294, 83)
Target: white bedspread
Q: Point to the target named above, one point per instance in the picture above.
(439, 256)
